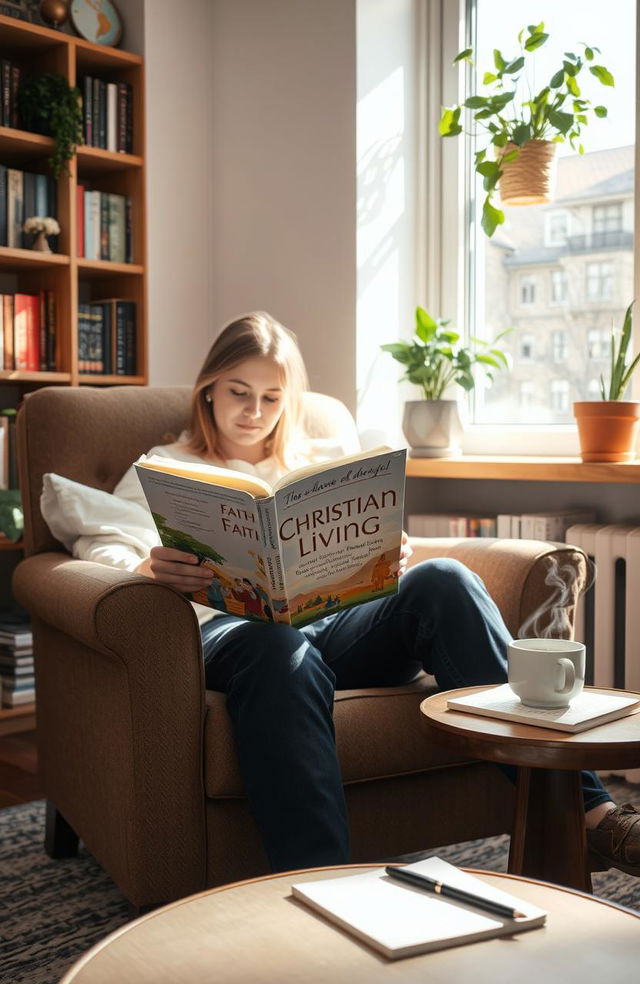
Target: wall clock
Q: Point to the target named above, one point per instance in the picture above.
(97, 21)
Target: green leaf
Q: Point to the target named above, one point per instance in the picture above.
(426, 327)
(487, 168)
(557, 79)
(573, 86)
(463, 55)
(498, 60)
(475, 102)
(600, 111)
(561, 121)
(570, 68)
(479, 156)
(449, 125)
(521, 134)
(536, 28)
(535, 41)
(491, 218)
(514, 66)
(602, 74)
(588, 54)
(488, 78)
(511, 156)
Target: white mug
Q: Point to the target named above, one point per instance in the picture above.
(546, 672)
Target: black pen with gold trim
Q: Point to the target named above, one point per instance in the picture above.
(427, 884)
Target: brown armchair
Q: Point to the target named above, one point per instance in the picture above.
(137, 759)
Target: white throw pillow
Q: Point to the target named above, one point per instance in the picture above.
(72, 510)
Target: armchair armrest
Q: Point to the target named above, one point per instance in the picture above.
(535, 584)
(120, 713)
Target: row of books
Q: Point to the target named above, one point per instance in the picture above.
(104, 225)
(24, 194)
(16, 659)
(107, 337)
(107, 110)
(28, 331)
(550, 525)
(10, 75)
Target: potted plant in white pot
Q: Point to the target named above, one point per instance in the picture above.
(434, 360)
(517, 125)
(608, 428)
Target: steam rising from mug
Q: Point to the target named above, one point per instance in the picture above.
(566, 586)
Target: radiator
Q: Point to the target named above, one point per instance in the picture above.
(608, 614)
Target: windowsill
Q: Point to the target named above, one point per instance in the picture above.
(524, 469)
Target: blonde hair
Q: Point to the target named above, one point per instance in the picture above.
(253, 335)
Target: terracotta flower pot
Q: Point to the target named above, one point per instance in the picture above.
(608, 429)
(530, 178)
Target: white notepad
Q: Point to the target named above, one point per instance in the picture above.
(587, 710)
(400, 921)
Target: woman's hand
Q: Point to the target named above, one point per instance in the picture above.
(176, 567)
(405, 553)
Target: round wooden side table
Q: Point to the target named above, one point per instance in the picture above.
(548, 838)
(254, 931)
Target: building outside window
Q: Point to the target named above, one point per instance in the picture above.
(560, 395)
(527, 347)
(593, 390)
(527, 290)
(556, 228)
(559, 347)
(559, 287)
(599, 281)
(563, 240)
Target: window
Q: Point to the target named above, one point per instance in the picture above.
(599, 281)
(556, 228)
(559, 395)
(527, 344)
(607, 218)
(558, 287)
(559, 346)
(527, 391)
(593, 390)
(597, 344)
(527, 290)
(542, 274)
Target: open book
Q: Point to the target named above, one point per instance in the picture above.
(400, 921)
(324, 538)
(587, 710)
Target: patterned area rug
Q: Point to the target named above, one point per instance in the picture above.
(51, 912)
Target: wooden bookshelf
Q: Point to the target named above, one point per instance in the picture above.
(72, 278)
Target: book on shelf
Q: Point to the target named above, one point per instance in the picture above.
(11, 698)
(544, 525)
(450, 524)
(106, 226)
(107, 337)
(107, 114)
(28, 331)
(324, 538)
(589, 709)
(400, 921)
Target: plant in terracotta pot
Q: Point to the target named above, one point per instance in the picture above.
(434, 360)
(49, 105)
(517, 127)
(608, 429)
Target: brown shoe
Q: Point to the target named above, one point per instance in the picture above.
(615, 842)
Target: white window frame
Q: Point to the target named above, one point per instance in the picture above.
(446, 36)
(600, 279)
(559, 345)
(549, 238)
(559, 394)
(558, 277)
(527, 287)
(605, 208)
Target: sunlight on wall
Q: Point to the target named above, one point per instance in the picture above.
(385, 216)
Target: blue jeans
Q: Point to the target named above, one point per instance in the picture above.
(280, 683)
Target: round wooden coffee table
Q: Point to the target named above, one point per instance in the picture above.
(255, 933)
(548, 838)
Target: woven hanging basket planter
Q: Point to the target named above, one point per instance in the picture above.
(530, 178)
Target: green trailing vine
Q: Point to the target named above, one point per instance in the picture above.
(48, 104)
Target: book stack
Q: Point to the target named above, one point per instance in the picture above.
(107, 337)
(550, 525)
(450, 524)
(24, 194)
(28, 331)
(16, 659)
(107, 110)
(104, 226)
(10, 75)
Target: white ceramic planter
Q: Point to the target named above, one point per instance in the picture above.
(432, 428)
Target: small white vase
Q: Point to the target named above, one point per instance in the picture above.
(40, 243)
(432, 428)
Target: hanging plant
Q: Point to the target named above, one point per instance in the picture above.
(49, 105)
